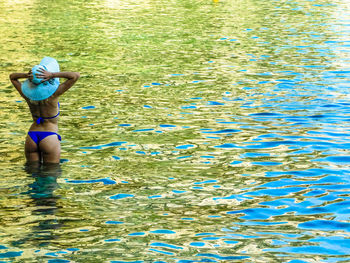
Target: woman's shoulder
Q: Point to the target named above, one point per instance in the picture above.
(47, 103)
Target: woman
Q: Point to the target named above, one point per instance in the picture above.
(41, 91)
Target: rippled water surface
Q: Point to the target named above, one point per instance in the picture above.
(200, 131)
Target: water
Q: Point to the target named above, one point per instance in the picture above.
(200, 131)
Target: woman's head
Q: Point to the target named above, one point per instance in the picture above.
(35, 71)
(36, 90)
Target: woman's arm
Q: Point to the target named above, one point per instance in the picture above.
(71, 77)
(16, 83)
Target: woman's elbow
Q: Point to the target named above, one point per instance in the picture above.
(76, 75)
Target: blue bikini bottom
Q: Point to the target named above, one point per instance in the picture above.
(38, 136)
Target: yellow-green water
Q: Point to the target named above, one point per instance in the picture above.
(200, 131)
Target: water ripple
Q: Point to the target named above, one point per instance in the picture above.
(181, 143)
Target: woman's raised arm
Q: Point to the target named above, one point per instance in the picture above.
(71, 77)
(16, 83)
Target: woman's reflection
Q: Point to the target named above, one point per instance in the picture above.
(44, 202)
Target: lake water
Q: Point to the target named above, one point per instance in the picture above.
(200, 131)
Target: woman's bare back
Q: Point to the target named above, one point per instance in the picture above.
(45, 114)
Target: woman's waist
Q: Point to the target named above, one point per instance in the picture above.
(46, 126)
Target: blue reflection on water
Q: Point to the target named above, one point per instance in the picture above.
(160, 244)
(98, 147)
(327, 225)
(162, 231)
(120, 196)
(105, 181)
(11, 254)
(58, 261)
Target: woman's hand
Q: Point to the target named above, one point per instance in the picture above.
(44, 75)
(30, 75)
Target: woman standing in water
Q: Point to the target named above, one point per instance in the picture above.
(41, 91)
